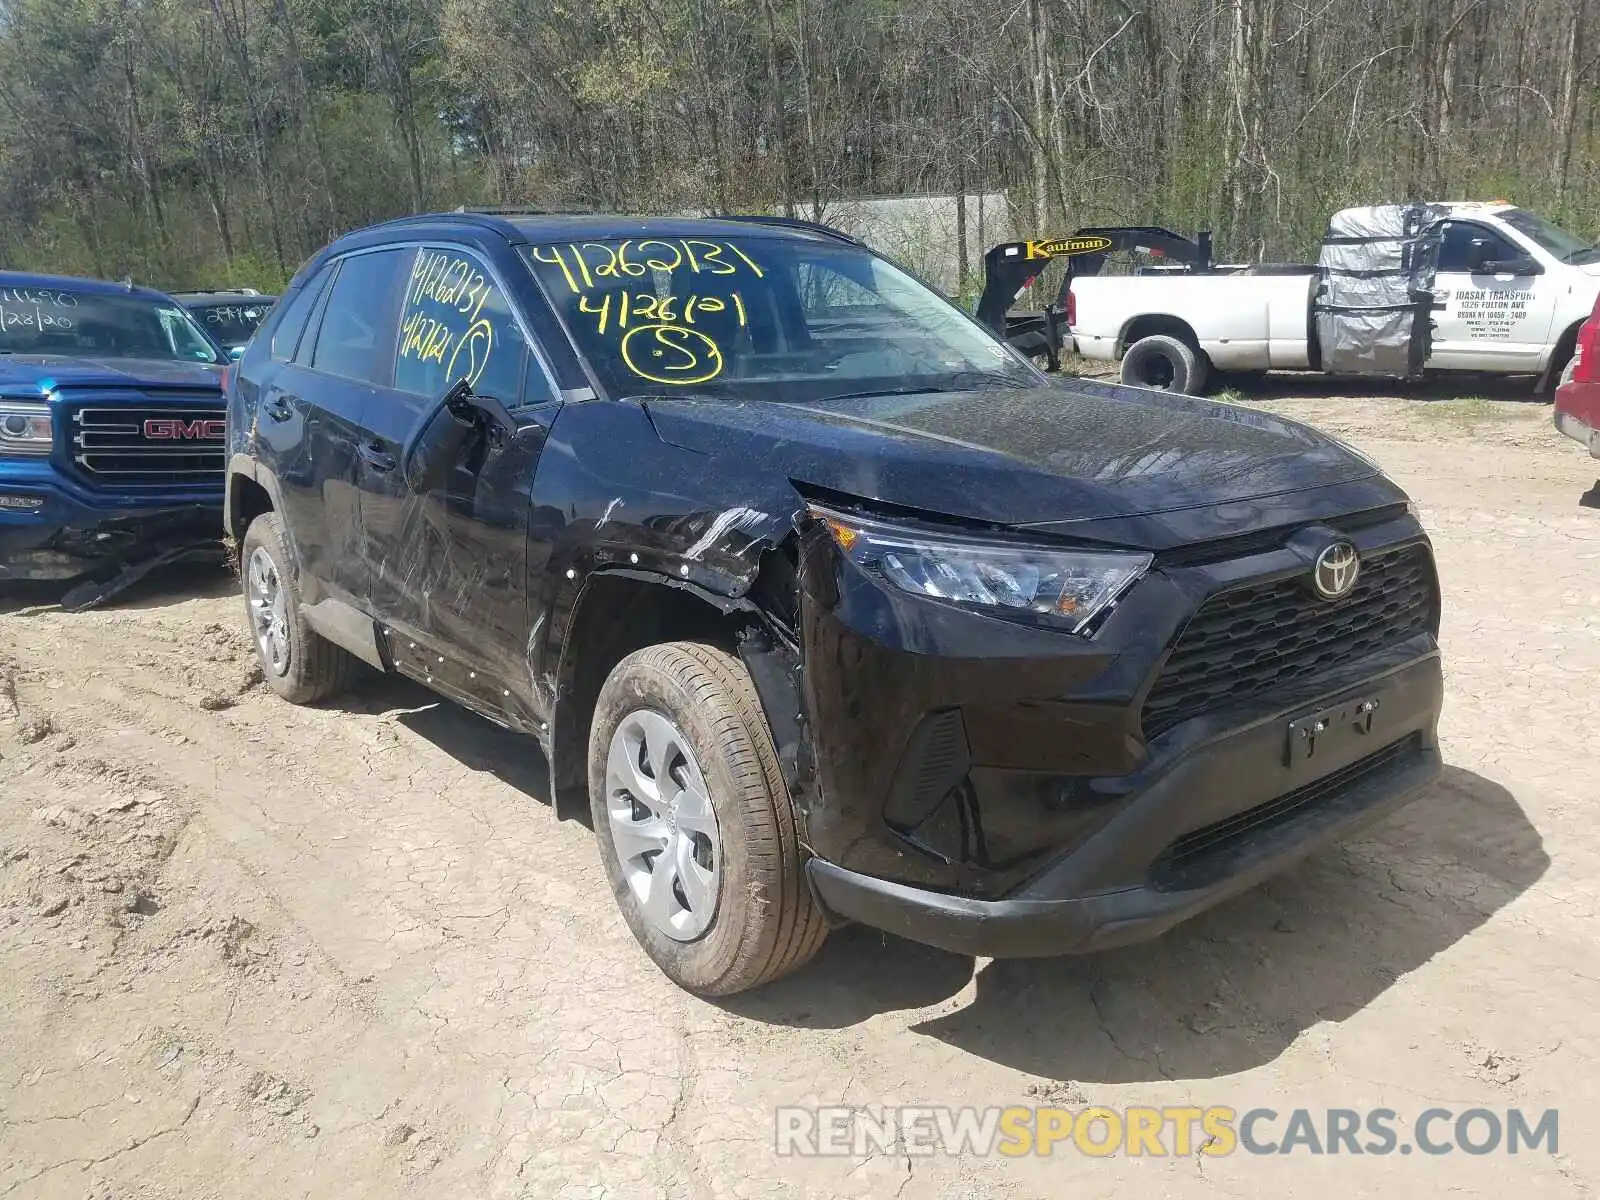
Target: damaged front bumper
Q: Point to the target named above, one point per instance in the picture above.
(1001, 790)
(1176, 868)
(50, 534)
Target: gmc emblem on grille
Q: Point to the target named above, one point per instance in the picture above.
(173, 429)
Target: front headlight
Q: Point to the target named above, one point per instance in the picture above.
(1067, 588)
(24, 427)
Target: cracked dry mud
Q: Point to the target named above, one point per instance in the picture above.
(248, 949)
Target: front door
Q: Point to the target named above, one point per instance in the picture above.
(1487, 319)
(448, 564)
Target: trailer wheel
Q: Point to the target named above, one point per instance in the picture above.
(1165, 363)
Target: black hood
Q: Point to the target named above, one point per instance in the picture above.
(1063, 453)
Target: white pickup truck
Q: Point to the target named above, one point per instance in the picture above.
(1503, 291)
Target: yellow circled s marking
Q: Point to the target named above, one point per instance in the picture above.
(477, 342)
(672, 354)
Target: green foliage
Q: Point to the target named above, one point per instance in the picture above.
(210, 142)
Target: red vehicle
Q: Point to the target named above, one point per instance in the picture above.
(1578, 397)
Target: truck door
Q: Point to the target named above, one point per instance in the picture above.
(1491, 310)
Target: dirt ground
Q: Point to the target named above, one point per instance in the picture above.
(253, 950)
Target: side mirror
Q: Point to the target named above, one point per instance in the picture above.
(235, 353)
(1523, 265)
(440, 441)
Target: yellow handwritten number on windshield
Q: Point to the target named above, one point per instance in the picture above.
(671, 354)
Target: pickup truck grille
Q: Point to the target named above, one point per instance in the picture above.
(1260, 637)
(164, 443)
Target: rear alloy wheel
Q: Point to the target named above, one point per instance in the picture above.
(1166, 364)
(298, 663)
(694, 823)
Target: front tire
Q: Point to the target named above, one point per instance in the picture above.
(1166, 364)
(695, 827)
(298, 663)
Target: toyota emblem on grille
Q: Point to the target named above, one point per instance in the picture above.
(1334, 573)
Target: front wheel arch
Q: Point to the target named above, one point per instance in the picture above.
(614, 615)
(1566, 344)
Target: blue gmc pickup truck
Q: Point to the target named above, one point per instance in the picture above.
(111, 428)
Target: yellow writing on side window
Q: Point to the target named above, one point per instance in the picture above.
(444, 321)
(450, 281)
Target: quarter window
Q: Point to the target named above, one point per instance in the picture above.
(286, 335)
(356, 339)
(455, 324)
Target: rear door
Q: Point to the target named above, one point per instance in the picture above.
(1487, 320)
(315, 409)
(292, 428)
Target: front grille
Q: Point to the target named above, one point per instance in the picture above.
(178, 442)
(1197, 857)
(1254, 639)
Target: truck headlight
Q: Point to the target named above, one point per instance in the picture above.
(1066, 588)
(24, 427)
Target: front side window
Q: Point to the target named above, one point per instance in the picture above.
(455, 324)
(74, 324)
(356, 337)
(1568, 247)
(758, 317)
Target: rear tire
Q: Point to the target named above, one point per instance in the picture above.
(298, 663)
(1165, 363)
(707, 866)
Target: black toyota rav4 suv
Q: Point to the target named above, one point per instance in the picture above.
(828, 605)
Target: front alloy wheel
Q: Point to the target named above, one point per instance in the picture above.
(697, 832)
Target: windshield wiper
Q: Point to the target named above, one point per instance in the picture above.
(888, 391)
(970, 380)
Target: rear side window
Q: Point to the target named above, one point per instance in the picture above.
(356, 338)
(455, 324)
(1459, 236)
(286, 335)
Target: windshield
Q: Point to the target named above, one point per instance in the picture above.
(1568, 247)
(763, 318)
(231, 323)
(90, 325)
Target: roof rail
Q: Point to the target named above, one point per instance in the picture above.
(518, 210)
(792, 223)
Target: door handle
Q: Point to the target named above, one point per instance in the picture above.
(377, 458)
(277, 408)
